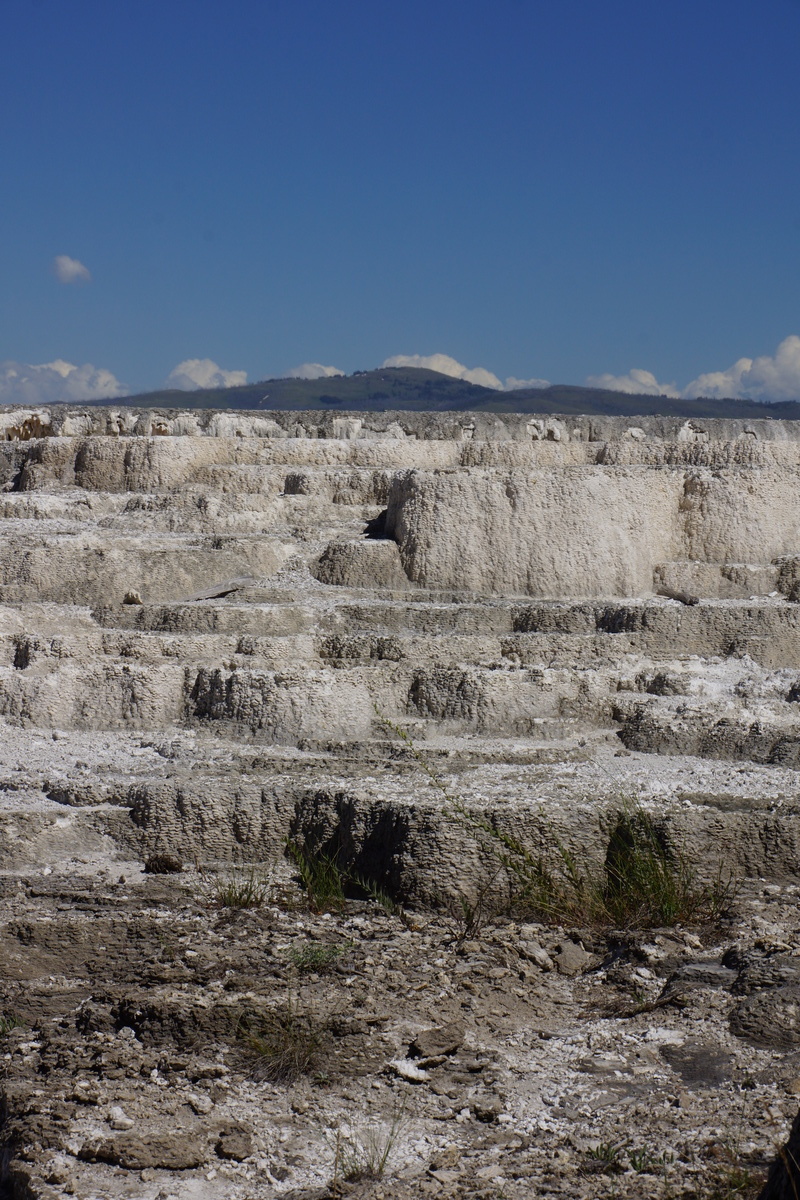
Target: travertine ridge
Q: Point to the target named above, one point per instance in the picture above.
(210, 621)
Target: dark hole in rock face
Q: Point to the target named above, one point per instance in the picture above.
(297, 483)
(793, 695)
(22, 654)
(376, 528)
(367, 848)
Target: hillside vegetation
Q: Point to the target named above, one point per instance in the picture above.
(411, 388)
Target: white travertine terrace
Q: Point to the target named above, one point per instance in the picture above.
(503, 585)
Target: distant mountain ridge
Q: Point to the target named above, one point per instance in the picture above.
(420, 390)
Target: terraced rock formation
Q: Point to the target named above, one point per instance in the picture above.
(209, 623)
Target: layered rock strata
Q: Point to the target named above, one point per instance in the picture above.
(211, 622)
(500, 586)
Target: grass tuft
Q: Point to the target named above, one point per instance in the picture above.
(362, 1155)
(288, 1042)
(645, 882)
(238, 887)
(9, 1021)
(324, 882)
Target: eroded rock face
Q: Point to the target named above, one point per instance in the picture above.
(212, 626)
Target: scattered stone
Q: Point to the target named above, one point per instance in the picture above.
(235, 1144)
(769, 1017)
(169, 1151)
(438, 1042)
(487, 1108)
(687, 598)
(761, 972)
(699, 1064)
(118, 1119)
(533, 952)
(572, 959)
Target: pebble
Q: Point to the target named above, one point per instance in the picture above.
(406, 1069)
(118, 1119)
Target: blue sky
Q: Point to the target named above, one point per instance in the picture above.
(545, 191)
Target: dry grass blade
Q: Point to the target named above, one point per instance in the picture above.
(238, 887)
(287, 1042)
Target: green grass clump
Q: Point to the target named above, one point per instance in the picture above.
(9, 1021)
(321, 878)
(364, 1154)
(325, 882)
(605, 1159)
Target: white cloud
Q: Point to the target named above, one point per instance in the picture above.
(57, 382)
(770, 378)
(195, 373)
(446, 365)
(70, 270)
(765, 378)
(515, 385)
(313, 371)
(636, 383)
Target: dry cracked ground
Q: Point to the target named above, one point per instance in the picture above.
(375, 675)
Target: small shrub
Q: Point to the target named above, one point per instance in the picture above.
(9, 1021)
(468, 917)
(647, 1162)
(238, 887)
(287, 1042)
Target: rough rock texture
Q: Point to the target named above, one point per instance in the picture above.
(212, 626)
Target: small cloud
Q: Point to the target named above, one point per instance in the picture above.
(446, 365)
(636, 383)
(194, 373)
(313, 371)
(768, 378)
(57, 382)
(70, 270)
(515, 385)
